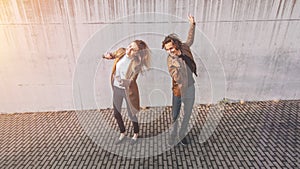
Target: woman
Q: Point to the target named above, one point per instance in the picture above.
(129, 62)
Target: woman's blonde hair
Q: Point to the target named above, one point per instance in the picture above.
(142, 59)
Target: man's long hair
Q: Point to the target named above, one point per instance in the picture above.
(174, 39)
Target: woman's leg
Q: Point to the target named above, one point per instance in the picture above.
(117, 104)
(132, 117)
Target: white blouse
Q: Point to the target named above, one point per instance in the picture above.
(121, 69)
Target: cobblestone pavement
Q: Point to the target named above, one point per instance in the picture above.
(250, 135)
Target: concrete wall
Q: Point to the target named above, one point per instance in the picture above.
(244, 50)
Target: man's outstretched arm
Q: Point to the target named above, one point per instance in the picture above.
(191, 34)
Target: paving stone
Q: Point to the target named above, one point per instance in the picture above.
(250, 135)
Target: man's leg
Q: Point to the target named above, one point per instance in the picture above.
(188, 101)
(176, 105)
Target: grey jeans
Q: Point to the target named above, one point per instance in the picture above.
(118, 96)
(188, 100)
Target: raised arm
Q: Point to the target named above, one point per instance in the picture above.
(191, 34)
(116, 54)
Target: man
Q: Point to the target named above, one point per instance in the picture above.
(181, 66)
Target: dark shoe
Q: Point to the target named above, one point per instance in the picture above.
(184, 142)
(133, 141)
(120, 141)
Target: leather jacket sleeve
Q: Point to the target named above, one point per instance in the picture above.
(118, 53)
(176, 69)
(191, 35)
